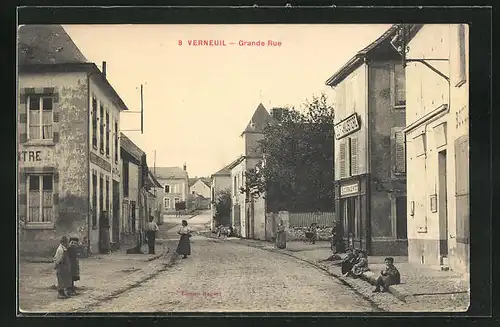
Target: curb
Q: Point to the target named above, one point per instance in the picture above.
(399, 294)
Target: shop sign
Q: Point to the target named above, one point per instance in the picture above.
(347, 126)
(349, 189)
(35, 157)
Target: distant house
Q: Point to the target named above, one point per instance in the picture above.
(200, 186)
(174, 187)
(221, 180)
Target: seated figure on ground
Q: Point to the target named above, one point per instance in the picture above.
(388, 276)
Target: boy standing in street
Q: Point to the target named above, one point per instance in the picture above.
(152, 228)
(62, 266)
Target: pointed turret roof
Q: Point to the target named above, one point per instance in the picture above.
(259, 120)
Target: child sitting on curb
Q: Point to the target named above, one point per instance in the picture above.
(388, 276)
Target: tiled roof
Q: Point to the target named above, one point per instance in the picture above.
(129, 146)
(170, 173)
(47, 44)
(259, 120)
(358, 58)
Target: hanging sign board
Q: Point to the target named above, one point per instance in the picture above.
(347, 126)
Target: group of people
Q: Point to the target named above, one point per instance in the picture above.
(355, 263)
(67, 267)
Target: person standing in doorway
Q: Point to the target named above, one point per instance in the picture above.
(184, 246)
(62, 265)
(152, 228)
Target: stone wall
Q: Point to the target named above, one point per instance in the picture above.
(298, 233)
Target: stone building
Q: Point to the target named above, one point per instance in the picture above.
(370, 169)
(68, 127)
(437, 138)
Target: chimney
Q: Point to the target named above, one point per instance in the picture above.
(104, 68)
(184, 167)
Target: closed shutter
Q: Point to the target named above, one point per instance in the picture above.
(399, 149)
(342, 160)
(353, 154)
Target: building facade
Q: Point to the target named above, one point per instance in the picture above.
(200, 187)
(69, 161)
(370, 169)
(174, 187)
(437, 141)
(221, 180)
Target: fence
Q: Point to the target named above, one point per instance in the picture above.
(305, 219)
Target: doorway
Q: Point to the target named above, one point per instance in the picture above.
(115, 220)
(442, 204)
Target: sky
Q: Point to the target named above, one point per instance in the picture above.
(198, 100)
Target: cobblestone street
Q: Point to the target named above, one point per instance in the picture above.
(222, 276)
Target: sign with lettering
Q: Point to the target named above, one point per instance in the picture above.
(349, 189)
(347, 126)
(95, 159)
(34, 157)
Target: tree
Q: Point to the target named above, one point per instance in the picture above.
(222, 205)
(297, 171)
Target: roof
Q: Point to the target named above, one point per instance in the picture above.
(89, 68)
(236, 162)
(206, 181)
(127, 145)
(359, 57)
(48, 48)
(153, 179)
(259, 120)
(170, 173)
(47, 44)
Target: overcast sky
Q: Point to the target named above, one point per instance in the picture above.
(198, 100)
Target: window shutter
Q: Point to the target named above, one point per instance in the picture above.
(342, 163)
(354, 156)
(399, 152)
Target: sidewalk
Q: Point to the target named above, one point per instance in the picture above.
(102, 276)
(422, 288)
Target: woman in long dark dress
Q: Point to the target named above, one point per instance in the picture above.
(184, 247)
(281, 236)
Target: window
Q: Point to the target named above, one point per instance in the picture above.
(116, 141)
(459, 65)
(125, 176)
(167, 189)
(399, 86)
(398, 150)
(94, 123)
(94, 199)
(235, 185)
(177, 200)
(107, 134)
(344, 163)
(166, 203)
(40, 117)
(419, 145)
(101, 129)
(40, 198)
(353, 156)
(193, 192)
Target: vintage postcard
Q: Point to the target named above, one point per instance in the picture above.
(243, 168)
